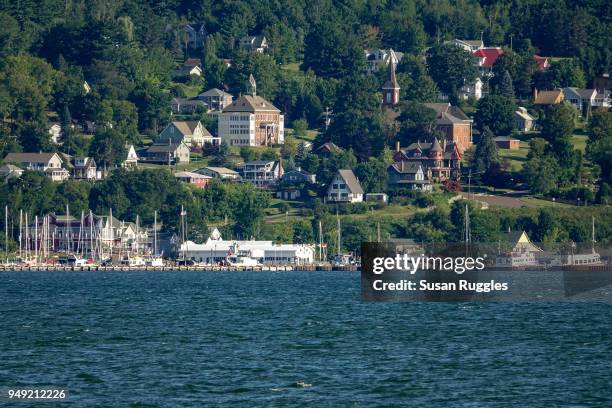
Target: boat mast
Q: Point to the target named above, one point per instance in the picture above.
(80, 242)
(6, 231)
(137, 233)
(320, 242)
(155, 233)
(20, 230)
(593, 234)
(112, 233)
(36, 239)
(183, 213)
(67, 230)
(339, 234)
(26, 237)
(91, 246)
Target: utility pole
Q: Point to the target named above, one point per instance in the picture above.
(327, 114)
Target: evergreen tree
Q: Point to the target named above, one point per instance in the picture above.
(486, 162)
(505, 87)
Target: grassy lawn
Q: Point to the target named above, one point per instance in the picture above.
(294, 212)
(579, 142)
(293, 67)
(538, 202)
(516, 157)
(309, 136)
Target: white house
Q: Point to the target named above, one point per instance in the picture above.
(84, 168)
(377, 58)
(55, 131)
(131, 159)
(262, 173)
(580, 98)
(257, 43)
(48, 163)
(216, 99)
(192, 133)
(222, 173)
(344, 188)
(468, 45)
(523, 120)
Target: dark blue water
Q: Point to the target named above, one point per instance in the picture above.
(291, 339)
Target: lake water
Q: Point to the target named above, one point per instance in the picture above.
(291, 339)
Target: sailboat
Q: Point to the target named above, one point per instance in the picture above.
(155, 259)
(134, 260)
(341, 259)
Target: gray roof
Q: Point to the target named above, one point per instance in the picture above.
(29, 157)
(504, 139)
(448, 113)
(584, 93)
(251, 103)
(405, 167)
(215, 92)
(220, 170)
(164, 147)
(351, 181)
(258, 162)
(190, 174)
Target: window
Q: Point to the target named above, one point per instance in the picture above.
(335, 186)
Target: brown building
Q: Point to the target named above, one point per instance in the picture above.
(553, 97)
(505, 142)
(251, 121)
(454, 123)
(439, 162)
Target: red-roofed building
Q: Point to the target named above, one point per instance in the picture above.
(543, 63)
(486, 57)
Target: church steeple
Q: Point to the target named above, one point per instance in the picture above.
(252, 86)
(391, 88)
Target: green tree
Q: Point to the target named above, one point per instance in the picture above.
(332, 49)
(108, 148)
(541, 174)
(416, 122)
(557, 128)
(495, 112)
(599, 145)
(451, 67)
(505, 87)
(485, 164)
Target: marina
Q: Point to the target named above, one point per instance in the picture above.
(178, 268)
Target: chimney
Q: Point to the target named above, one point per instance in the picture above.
(397, 146)
(535, 94)
(444, 145)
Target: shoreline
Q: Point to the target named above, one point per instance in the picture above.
(264, 268)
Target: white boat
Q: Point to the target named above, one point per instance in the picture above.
(342, 260)
(241, 260)
(154, 261)
(133, 261)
